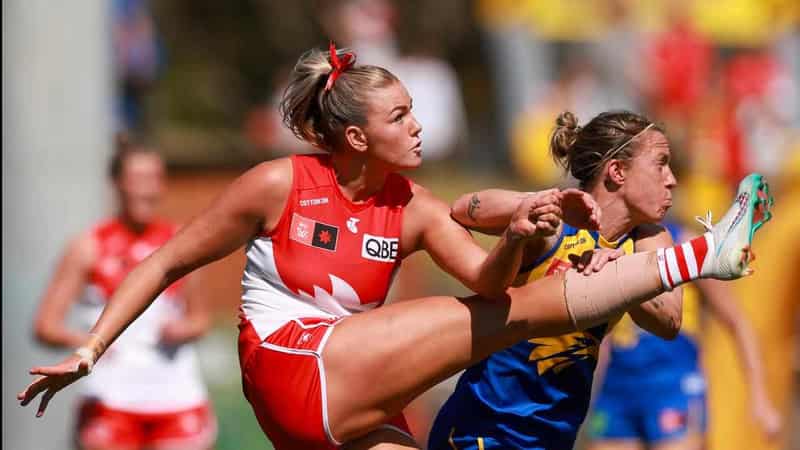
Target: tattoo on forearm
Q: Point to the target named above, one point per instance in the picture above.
(474, 204)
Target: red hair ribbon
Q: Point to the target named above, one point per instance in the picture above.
(339, 65)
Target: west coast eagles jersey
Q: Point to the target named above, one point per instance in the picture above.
(535, 394)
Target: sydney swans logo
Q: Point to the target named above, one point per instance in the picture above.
(342, 300)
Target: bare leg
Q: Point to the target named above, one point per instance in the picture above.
(391, 355)
(377, 362)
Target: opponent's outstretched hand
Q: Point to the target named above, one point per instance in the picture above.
(53, 379)
(593, 260)
(580, 209)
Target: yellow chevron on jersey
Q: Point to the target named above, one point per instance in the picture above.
(557, 353)
(533, 394)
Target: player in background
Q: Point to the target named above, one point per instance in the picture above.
(147, 393)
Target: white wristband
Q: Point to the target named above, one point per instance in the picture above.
(88, 355)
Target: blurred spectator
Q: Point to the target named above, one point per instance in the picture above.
(678, 62)
(580, 89)
(369, 28)
(264, 128)
(365, 26)
(136, 58)
(764, 100)
(743, 23)
(618, 55)
(519, 63)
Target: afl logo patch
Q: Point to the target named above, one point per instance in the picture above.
(379, 248)
(316, 234)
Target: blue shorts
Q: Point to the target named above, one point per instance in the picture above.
(650, 413)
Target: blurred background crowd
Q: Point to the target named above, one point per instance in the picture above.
(201, 80)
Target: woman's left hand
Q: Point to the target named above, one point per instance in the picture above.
(594, 260)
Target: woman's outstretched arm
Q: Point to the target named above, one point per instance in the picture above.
(250, 204)
(489, 211)
(429, 225)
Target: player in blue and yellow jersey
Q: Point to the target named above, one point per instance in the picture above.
(673, 413)
(535, 394)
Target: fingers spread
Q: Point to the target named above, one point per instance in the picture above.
(32, 390)
(584, 260)
(45, 401)
(592, 263)
(601, 261)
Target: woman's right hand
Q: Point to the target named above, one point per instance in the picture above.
(53, 379)
(537, 216)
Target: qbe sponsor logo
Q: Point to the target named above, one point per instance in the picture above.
(378, 248)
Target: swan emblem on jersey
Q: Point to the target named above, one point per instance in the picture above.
(557, 353)
(342, 300)
(352, 224)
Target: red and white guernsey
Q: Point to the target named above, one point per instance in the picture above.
(327, 257)
(138, 373)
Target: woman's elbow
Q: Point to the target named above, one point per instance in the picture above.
(672, 328)
(670, 334)
(44, 334)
